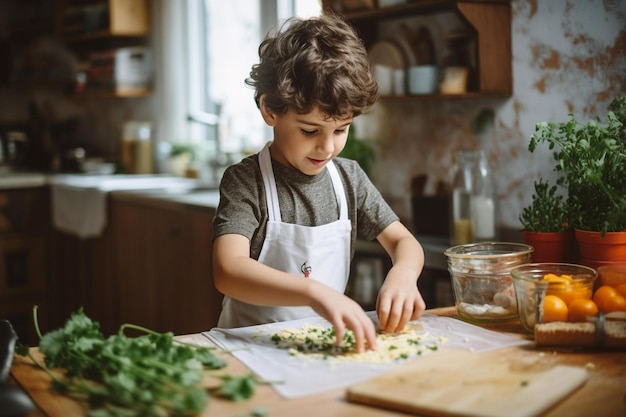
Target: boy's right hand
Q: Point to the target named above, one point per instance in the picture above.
(344, 313)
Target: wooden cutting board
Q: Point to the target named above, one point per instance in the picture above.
(463, 383)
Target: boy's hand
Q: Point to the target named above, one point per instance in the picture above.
(344, 313)
(399, 300)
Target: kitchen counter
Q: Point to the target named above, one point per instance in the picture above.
(9, 180)
(604, 392)
(145, 188)
(200, 198)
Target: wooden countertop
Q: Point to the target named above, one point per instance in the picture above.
(604, 393)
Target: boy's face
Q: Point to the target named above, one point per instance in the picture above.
(306, 142)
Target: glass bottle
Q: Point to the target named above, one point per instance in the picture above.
(483, 202)
(462, 186)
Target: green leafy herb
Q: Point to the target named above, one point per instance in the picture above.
(548, 211)
(145, 376)
(360, 151)
(237, 388)
(592, 160)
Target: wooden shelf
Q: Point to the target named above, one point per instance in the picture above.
(118, 92)
(469, 94)
(411, 8)
(488, 20)
(101, 35)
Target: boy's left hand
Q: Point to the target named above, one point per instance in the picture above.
(399, 301)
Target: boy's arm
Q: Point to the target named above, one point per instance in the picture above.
(399, 300)
(245, 279)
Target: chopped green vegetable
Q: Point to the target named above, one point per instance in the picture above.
(152, 375)
(317, 340)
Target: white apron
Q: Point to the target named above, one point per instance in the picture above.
(320, 252)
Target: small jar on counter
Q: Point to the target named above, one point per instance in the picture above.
(483, 202)
(462, 188)
(137, 157)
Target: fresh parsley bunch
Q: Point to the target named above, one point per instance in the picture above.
(152, 375)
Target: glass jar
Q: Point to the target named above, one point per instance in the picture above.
(483, 202)
(137, 147)
(462, 187)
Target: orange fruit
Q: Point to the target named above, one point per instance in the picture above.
(550, 277)
(554, 309)
(580, 309)
(569, 292)
(608, 299)
(621, 289)
(617, 303)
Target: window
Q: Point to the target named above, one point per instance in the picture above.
(223, 45)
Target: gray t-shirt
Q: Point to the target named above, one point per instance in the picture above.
(305, 200)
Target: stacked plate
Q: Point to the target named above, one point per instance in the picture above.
(387, 63)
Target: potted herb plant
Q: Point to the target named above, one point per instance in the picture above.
(545, 225)
(591, 158)
(180, 157)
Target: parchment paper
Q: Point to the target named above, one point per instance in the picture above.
(296, 376)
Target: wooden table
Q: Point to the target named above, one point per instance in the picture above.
(604, 393)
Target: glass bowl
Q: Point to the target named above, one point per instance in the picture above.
(533, 282)
(613, 274)
(481, 279)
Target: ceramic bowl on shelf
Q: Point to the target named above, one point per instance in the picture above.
(563, 282)
(481, 279)
(423, 79)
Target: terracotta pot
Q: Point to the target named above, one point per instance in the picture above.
(596, 250)
(551, 246)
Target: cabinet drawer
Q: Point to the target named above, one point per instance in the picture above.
(22, 265)
(24, 210)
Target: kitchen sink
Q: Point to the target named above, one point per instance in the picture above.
(79, 200)
(157, 182)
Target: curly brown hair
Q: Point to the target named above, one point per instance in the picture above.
(319, 62)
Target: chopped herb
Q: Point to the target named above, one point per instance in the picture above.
(316, 341)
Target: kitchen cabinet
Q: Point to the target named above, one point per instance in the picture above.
(110, 40)
(488, 22)
(95, 46)
(163, 259)
(85, 20)
(24, 268)
(152, 267)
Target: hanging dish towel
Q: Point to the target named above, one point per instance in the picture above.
(79, 201)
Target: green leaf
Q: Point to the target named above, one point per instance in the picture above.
(237, 388)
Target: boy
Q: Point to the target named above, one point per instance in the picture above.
(288, 217)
